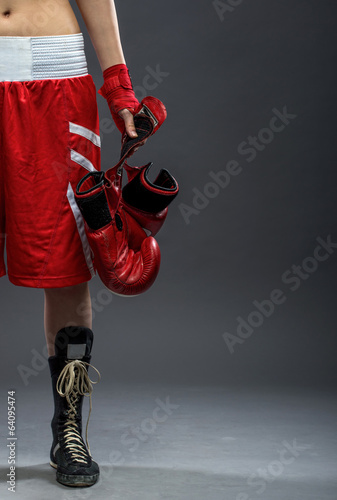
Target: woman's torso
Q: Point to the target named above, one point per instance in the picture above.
(37, 18)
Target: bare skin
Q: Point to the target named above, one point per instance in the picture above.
(64, 307)
(37, 18)
(71, 305)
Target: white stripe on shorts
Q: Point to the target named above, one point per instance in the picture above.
(85, 132)
(82, 160)
(81, 229)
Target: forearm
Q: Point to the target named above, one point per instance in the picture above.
(101, 21)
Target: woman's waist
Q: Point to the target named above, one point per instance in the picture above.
(42, 57)
(37, 18)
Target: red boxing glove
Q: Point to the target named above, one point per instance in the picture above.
(118, 220)
(147, 201)
(117, 90)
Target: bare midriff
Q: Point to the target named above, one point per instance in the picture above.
(37, 18)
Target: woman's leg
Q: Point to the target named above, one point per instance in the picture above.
(69, 306)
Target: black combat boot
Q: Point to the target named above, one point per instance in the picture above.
(70, 380)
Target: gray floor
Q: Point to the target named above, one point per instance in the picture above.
(163, 442)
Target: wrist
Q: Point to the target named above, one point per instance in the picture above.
(116, 76)
(117, 90)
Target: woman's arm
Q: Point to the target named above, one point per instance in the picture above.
(101, 21)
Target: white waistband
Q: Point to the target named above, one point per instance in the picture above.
(41, 57)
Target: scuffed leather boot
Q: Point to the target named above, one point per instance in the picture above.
(70, 380)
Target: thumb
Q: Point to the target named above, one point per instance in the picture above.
(130, 128)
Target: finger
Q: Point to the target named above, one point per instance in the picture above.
(130, 128)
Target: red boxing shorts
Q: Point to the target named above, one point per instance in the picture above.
(49, 139)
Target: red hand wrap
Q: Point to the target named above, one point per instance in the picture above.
(117, 90)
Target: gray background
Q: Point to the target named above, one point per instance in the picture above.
(224, 77)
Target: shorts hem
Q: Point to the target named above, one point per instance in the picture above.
(59, 282)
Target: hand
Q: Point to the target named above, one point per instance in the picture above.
(118, 91)
(130, 128)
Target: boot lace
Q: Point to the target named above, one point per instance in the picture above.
(72, 383)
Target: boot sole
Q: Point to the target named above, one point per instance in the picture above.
(74, 481)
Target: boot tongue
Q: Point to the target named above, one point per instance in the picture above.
(74, 342)
(76, 351)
